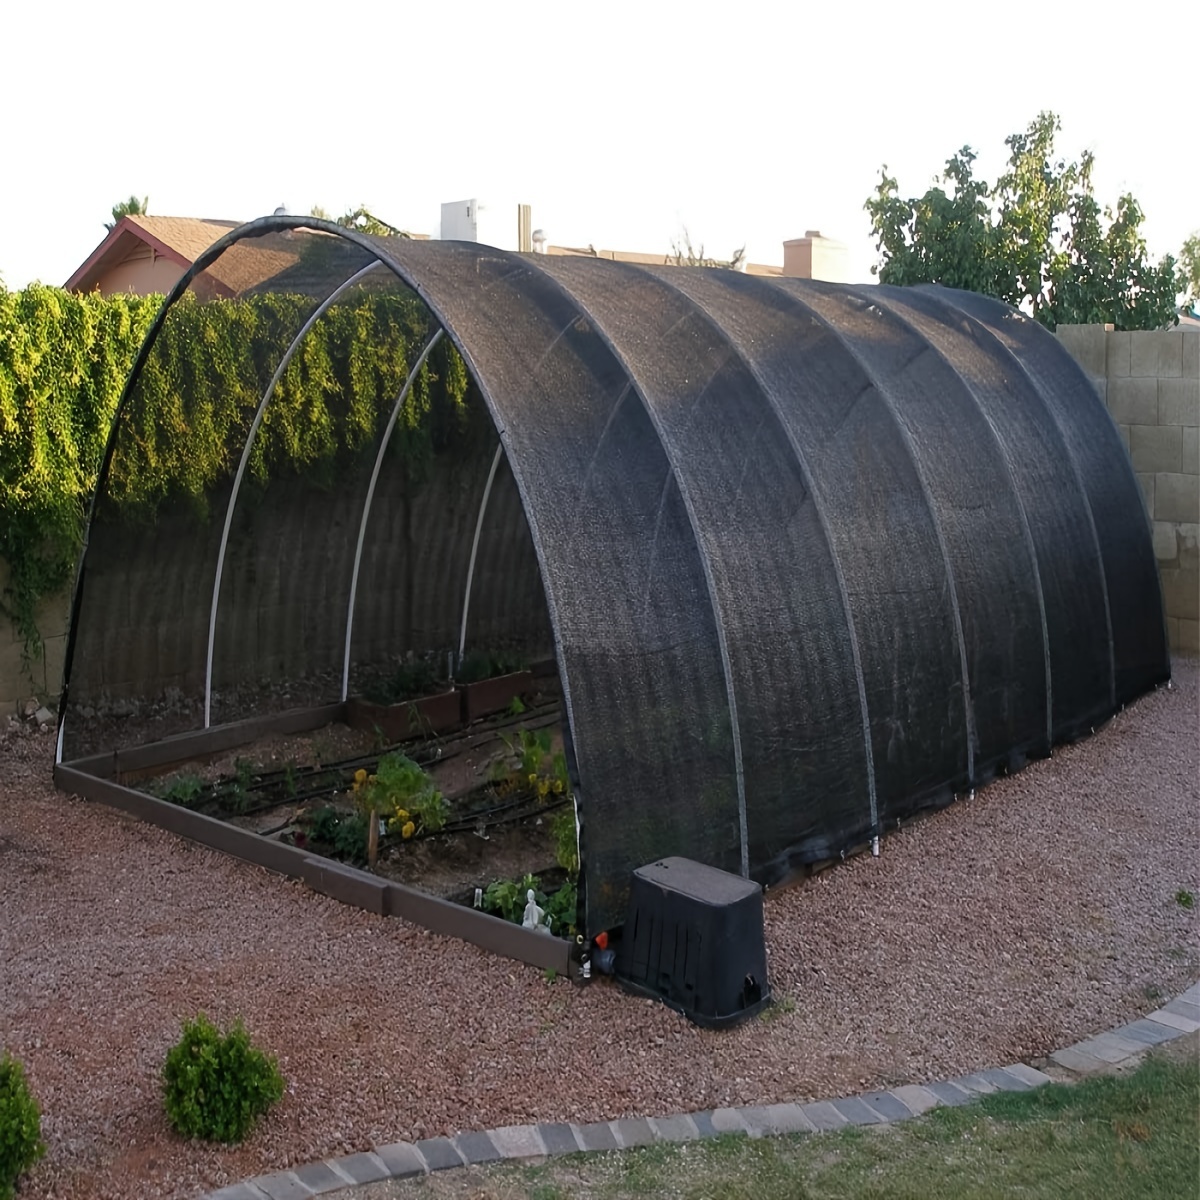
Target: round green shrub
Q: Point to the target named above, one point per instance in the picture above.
(215, 1085)
(20, 1126)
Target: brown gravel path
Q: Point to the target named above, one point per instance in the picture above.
(1037, 913)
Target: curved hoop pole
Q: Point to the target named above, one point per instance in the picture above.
(366, 513)
(487, 491)
(684, 486)
(241, 471)
(906, 440)
(971, 313)
(890, 304)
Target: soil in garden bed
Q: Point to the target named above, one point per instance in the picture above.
(276, 785)
(453, 865)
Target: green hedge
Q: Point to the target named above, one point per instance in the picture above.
(64, 360)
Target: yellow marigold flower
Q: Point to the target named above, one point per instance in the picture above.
(401, 815)
(408, 830)
(533, 777)
(360, 777)
(558, 787)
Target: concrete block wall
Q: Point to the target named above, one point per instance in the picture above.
(21, 681)
(1150, 382)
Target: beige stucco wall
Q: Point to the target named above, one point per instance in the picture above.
(142, 276)
(1151, 384)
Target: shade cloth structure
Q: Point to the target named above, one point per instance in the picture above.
(810, 557)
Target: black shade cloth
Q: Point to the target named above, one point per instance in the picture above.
(812, 556)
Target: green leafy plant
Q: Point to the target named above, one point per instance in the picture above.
(507, 898)
(344, 833)
(322, 823)
(566, 839)
(403, 794)
(781, 1006)
(238, 797)
(1185, 899)
(63, 361)
(216, 1086)
(562, 906)
(20, 1126)
(416, 677)
(184, 790)
(128, 208)
(543, 772)
(350, 838)
(479, 665)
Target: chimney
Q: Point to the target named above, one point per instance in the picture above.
(815, 257)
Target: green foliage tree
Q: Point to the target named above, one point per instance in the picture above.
(1037, 238)
(362, 219)
(1189, 270)
(133, 207)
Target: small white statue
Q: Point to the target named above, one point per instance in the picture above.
(533, 915)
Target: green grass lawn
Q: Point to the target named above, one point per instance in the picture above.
(1119, 1137)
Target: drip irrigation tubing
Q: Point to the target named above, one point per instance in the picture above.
(336, 771)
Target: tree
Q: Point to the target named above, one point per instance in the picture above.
(684, 254)
(133, 207)
(1189, 271)
(1037, 239)
(362, 219)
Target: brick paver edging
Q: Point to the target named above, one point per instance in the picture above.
(403, 1160)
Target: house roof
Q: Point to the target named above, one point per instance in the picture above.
(182, 240)
(190, 236)
(179, 239)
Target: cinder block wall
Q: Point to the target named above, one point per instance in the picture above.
(16, 686)
(1151, 385)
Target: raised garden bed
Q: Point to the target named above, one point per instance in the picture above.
(490, 696)
(503, 814)
(409, 719)
(420, 699)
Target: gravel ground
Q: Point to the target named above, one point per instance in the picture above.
(1039, 912)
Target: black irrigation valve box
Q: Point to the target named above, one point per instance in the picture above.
(693, 938)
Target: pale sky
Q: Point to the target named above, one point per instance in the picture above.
(620, 123)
